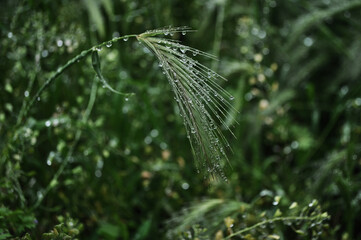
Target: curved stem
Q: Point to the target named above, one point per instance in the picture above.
(320, 216)
(61, 69)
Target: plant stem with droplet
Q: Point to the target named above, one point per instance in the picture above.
(61, 69)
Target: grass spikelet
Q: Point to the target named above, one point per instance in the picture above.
(203, 103)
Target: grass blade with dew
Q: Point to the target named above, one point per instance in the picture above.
(202, 102)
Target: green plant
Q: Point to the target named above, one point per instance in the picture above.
(203, 103)
(67, 229)
(228, 219)
(199, 97)
(293, 67)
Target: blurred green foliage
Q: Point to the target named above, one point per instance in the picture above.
(293, 66)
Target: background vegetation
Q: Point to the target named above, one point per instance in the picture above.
(126, 167)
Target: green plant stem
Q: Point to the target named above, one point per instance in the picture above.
(61, 69)
(27, 106)
(277, 219)
(78, 134)
(218, 33)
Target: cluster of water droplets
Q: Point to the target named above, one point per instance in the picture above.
(202, 102)
(168, 31)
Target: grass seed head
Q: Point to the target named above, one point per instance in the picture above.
(202, 102)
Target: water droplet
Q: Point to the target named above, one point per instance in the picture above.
(98, 49)
(48, 123)
(308, 42)
(171, 34)
(276, 200)
(148, 140)
(115, 34)
(193, 130)
(56, 122)
(160, 64)
(26, 93)
(67, 42)
(294, 145)
(98, 173)
(38, 99)
(59, 43)
(358, 101)
(344, 91)
(231, 98)
(185, 186)
(273, 4)
(163, 145)
(51, 156)
(126, 99)
(40, 194)
(44, 53)
(154, 133)
(166, 33)
(183, 50)
(109, 44)
(262, 34)
(314, 202)
(125, 39)
(10, 35)
(184, 33)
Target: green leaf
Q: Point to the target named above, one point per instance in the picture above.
(4, 236)
(143, 230)
(97, 69)
(110, 230)
(8, 88)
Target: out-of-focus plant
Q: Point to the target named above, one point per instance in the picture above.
(68, 229)
(225, 219)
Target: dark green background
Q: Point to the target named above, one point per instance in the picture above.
(299, 123)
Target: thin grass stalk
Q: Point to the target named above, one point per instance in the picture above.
(60, 70)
